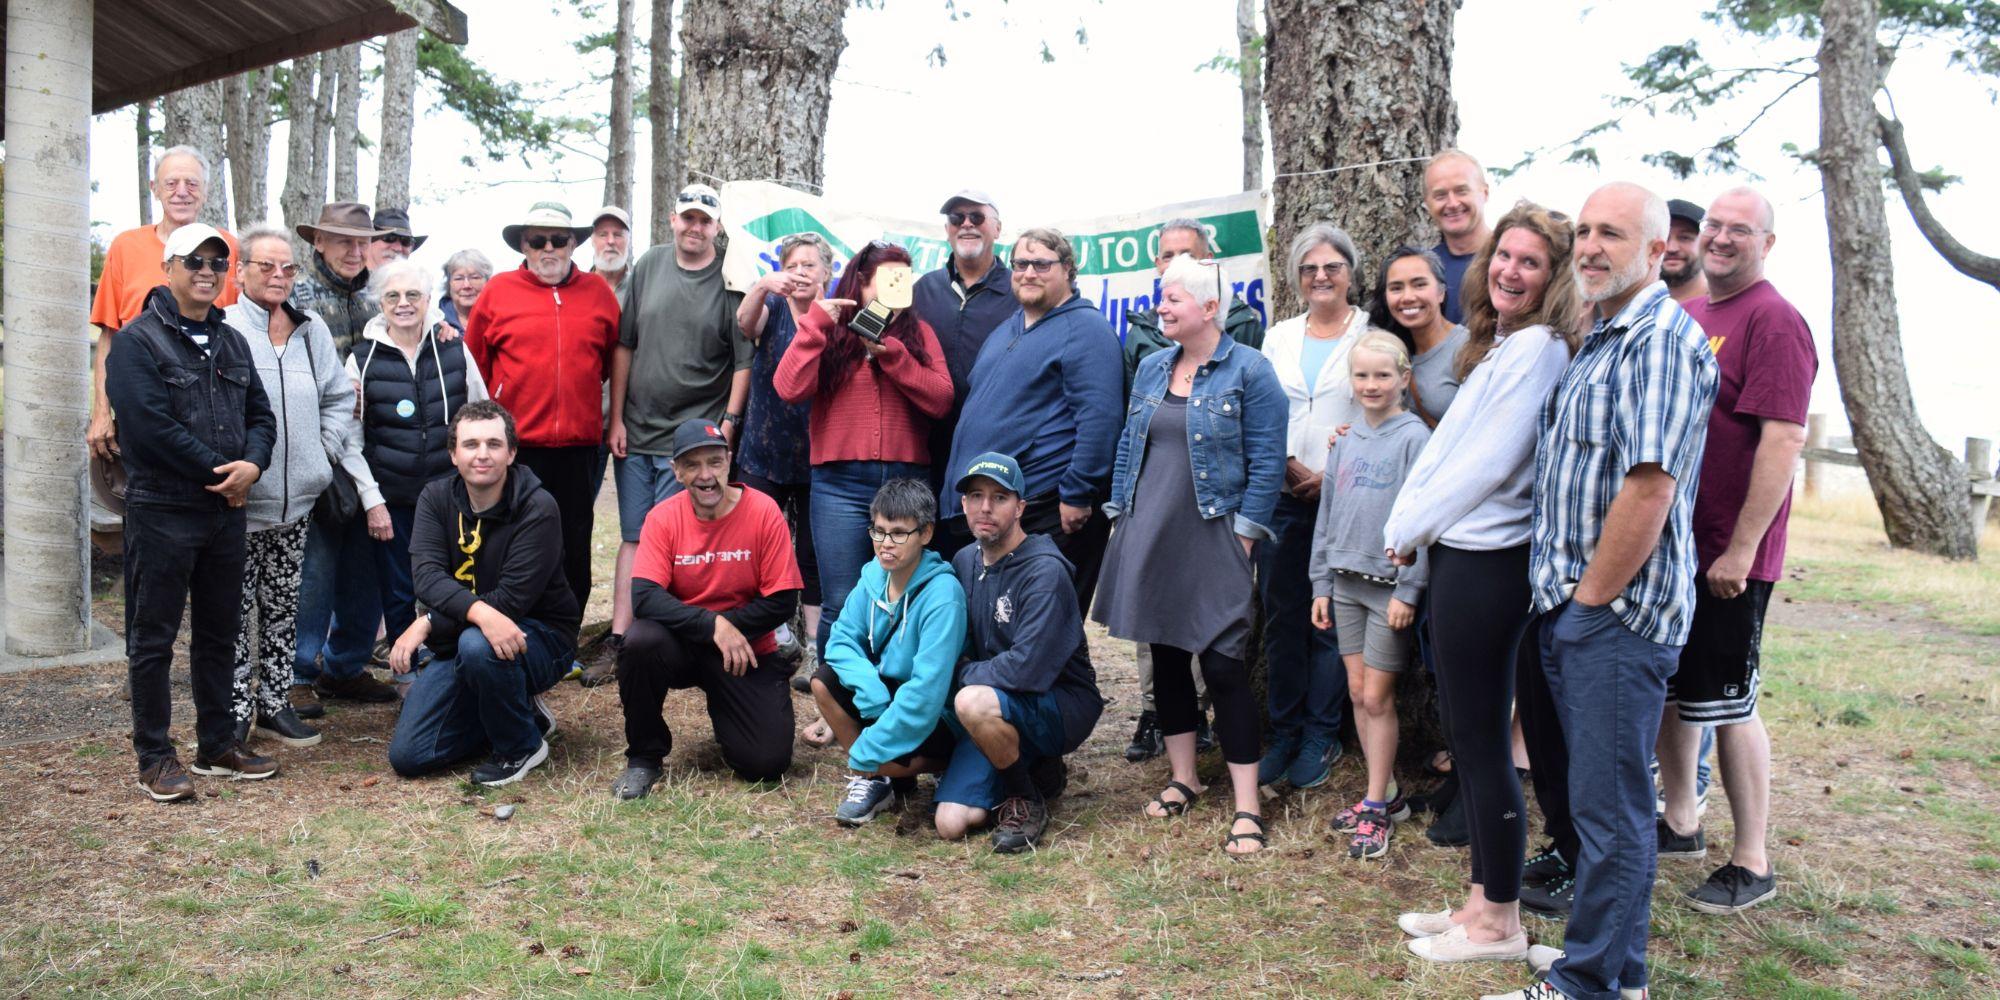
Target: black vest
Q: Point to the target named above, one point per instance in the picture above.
(404, 421)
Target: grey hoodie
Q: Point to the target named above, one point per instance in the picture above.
(1364, 471)
(313, 401)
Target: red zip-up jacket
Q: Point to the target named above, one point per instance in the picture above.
(546, 353)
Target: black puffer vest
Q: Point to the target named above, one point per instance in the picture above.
(405, 421)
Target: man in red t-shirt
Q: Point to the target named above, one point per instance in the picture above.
(1767, 362)
(713, 576)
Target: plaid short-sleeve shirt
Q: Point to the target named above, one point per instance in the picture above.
(1639, 391)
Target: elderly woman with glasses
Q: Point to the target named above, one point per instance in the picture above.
(465, 275)
(411, 381)
(1199, 467)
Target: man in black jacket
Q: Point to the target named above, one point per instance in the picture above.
(195, 431)
(486, 558)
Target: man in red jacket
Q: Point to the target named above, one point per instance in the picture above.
(543, 336)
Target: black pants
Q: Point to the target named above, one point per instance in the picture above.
(571, 476)
(1548, 750)
(1228, 680)
(795, 499)
(1478, 615)
(1084, 548)
(751, 714)
(182, 559)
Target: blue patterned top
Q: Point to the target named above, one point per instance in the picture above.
(774, 443)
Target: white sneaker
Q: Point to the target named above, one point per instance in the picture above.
(1539, 990)
(1455, 945)
(1425, 925)
(1541, 956)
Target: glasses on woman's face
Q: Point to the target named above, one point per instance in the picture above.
(1333, 270)
(270, 267)
(898, 537)
(411, 295)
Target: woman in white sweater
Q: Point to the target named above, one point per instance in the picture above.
(1469, 503)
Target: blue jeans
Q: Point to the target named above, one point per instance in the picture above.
(841, 493)
(1308, 684)
(392, 573)
(340, 601)
(475, 703)
(644, 482)
(1609, 686)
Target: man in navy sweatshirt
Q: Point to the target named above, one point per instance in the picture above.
(1026, 691)
(1048, 389)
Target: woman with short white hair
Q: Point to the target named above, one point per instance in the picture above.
(465, 275)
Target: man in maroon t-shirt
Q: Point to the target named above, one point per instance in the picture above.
(713, 576)
(1767, 361)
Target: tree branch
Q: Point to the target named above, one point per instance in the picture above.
(1962, 258)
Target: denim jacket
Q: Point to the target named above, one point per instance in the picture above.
(1236, 416)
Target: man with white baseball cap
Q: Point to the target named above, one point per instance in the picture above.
(611, 245)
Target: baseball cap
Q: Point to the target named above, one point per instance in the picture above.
(1681, 208)
(695, 434)
(612, 212)
(973, 195)
(699, 197)
(189, 238)
(1000, 468)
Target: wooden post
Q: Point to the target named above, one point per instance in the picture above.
(1815, 440)
(1979, 466)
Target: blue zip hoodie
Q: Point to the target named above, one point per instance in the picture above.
(916, 646)
(1024, 632)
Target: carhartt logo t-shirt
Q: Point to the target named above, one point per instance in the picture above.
(722, 564)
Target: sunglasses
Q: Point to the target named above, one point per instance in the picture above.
(400, 240)
(699, 199)
(273, 267)
(1332, 270)
(194, 263)
(542, 242)
(961, 218)
(1039, 265)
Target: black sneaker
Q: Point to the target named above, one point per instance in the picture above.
(499, 771)
(1204, 737)
(1733, 889)
(1545, 867)
(1147, 743)
(1051, 777)
(1449, 829)
(1675, 845)
(1020, 825)
(1552, 899)
(286, 728)
(635, 782)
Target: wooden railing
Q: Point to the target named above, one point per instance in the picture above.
(1981, 487)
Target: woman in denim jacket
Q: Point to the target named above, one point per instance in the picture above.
(1206, 421)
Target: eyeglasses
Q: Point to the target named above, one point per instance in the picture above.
(541, 242)
(961, 218)
(398, 239)
(272, 266)
(1736, 231)
(1039, 265)
(702, 199)
(876, 534)
(411, 295)
(1332, 270)
(194, 264)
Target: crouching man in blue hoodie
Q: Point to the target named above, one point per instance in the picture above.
(887, 674)
(1027, 694)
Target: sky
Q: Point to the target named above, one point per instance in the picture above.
(1126, 119)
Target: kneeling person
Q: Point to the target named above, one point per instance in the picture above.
(1028, 694)
(713, 576)
(486, 559)
(887, 674)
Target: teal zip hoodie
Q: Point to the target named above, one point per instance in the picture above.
(915, 646)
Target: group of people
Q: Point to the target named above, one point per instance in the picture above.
(1548, 462)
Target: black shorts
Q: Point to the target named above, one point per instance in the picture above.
(1718, 679)
(936, 747)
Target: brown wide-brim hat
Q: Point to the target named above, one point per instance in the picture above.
(341, 218)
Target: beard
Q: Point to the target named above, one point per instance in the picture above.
(611, 261)
(1682, 275)
(1618, 282)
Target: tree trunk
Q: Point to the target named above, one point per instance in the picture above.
(144, 120)
(1364, 81)
(300, 201)
(757, 77)
(663, 119)
(1250, 70)
(399, 105)
(347, 127)
(618, 167)
(1919, 486)
(249, 115)
(194, 118)
(322, 137)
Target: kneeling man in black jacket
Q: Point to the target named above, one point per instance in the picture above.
(486, 558)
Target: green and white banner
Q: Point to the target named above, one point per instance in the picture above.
(1114, 253)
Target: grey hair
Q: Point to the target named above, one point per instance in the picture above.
(905, 499)
(1186, 224)
(188, 151)
(259, 232)
(1321, 234)
(401, 267)
(468, 258)
(1202, 279)
(814, 240)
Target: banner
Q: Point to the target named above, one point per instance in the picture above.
(1114, 253)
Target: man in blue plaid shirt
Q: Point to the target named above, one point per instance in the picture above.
(1613, 570)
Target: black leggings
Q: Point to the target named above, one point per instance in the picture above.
(795, 499)
(1478, 614)
(1228, 688)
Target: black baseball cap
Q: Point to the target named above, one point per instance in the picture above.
(696, 434)
(1000, 468)
(1681, 208)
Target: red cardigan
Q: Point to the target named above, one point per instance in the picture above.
(882, 413)
(545, 352)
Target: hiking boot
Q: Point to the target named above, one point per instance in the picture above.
(603, 671)
(866, 796)
(635, 781)
(1314, 763)
(361, 687)
(545, 720)
(500, 770)
(237, 763)
(1051, 777)
(305, 701)
(1545, 867)
(1552, 899)
(286, 728)
(165, 780)
(1676, 845)
(1449, 829)
(1278, 758)
(1020, 825)
(1371, 835)
(1733, 888)
(1204, 736)
(1147, 742)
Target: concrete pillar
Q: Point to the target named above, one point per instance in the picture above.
(47, 311)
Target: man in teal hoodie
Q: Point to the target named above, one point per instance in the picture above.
(887, 674)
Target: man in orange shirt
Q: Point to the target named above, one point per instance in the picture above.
(132, 269)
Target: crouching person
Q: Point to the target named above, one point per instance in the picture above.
(887, 675)
(1027, 692)
(486, 559)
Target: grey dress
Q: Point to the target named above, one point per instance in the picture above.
(1171, 576)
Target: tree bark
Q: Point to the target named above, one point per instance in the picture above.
(757, 79)
(1250, 71)
(1919, 487)
(399, 106)
(347, 127)
(322, 147)
(1364, 81)
(663, 120)
(249, 115)
(144, 121)
(194, 118)
(300, 201)
(618, 167)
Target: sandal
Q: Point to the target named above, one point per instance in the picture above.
(1175, 808)
(1259, 837)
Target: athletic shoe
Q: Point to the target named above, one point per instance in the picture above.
(241, 730)
(1314, 762)
(1051, 777)
(1545, 867)
(1371, 835)
(1552, 899)
(499, 770)
(235, 762)
(1020, 825)
(1426, 924)
(378, 656)
(360, 687)
(305, 701)
(866, 796)
(545, 720)
(1398, 810)
(1541, 956)
(286, 728)
(1147, 741)
(166, 780)
(789, 648)
(1455, 945)
(1733, 889)
(1204, 736)
(1538, 990)
(1678, 845)
(1449, 829)
(1278, 758)
(635, 781)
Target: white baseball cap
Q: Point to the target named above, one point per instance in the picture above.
(189, 238)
